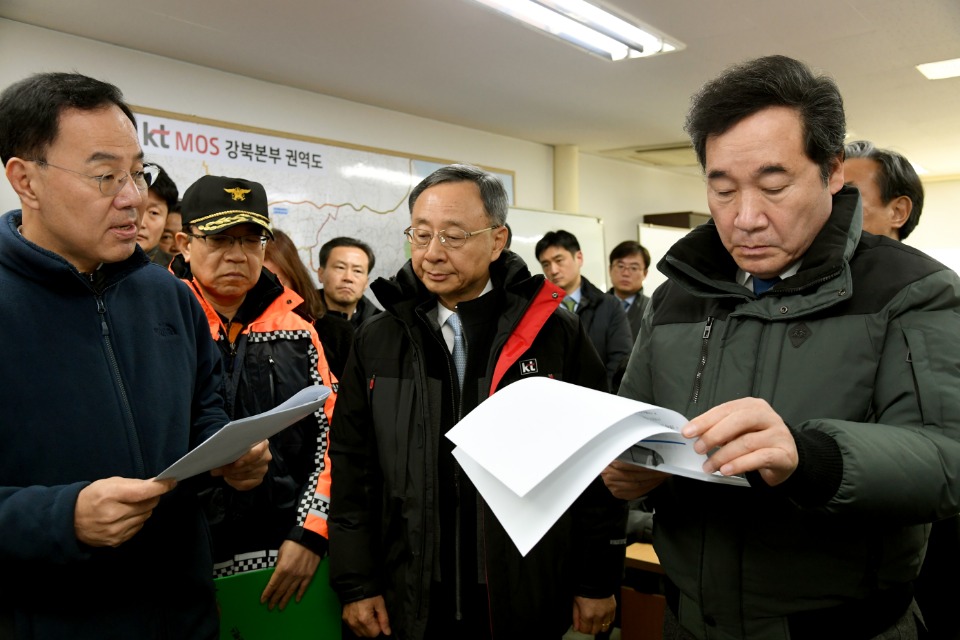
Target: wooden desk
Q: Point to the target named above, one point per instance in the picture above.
(641, 555)
(641, 614)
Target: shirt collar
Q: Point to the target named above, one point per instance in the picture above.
(443, 313)
(745, 278)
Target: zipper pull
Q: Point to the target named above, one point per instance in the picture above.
(707, 328)
(102, 310)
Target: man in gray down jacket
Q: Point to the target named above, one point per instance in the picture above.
(820, 362)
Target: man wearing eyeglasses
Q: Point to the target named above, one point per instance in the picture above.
(415, 550)
(269, 353)
(629, 262)
(92, 336)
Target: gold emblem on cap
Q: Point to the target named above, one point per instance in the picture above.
(237, 193)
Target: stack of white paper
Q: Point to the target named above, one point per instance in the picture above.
(236, 437)
(534, 446)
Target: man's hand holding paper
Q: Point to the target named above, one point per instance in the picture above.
(247, 472)
(628, 481)
(751, 436)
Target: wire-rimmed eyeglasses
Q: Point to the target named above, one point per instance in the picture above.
(451, 237)
(111, 183)
(630, 268)
(224, 242)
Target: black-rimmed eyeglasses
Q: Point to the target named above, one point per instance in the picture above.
(224, 242)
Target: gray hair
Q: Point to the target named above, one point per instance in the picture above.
(492, 192)
(895, 177)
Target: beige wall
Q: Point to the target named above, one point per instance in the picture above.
(938, 232)
(162, 83)
(617, 191)
(622, 192)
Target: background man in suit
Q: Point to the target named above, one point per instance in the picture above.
(629, 262)
(344, 271)
(602, 314)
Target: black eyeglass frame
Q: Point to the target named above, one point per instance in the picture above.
(220, 238)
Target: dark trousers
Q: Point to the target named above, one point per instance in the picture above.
(938, 587)
(474, 620)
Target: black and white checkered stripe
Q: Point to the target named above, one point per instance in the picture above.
(310, 501)
(281, 334)
(245, 562)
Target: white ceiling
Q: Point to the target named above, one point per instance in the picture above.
(455, 61)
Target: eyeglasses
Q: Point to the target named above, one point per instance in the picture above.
(224, 242)
(632, 268)
(112, 182)
(454, 237)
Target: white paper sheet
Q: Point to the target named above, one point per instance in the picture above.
(534, 446)
(526, 430)
(236, 437)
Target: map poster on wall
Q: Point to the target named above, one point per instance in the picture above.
(317, 189)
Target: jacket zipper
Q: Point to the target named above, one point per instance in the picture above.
(231, 348)
(814, 283)
(457, 512)
(115, 368)
(273, 381)
(458, 413)
(698, 380)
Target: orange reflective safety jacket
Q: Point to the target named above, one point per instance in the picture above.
(269, 353)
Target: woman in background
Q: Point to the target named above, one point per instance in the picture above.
(336, 334)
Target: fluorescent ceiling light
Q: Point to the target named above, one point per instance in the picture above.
(387, 176)
(587, 26)
(940, 70)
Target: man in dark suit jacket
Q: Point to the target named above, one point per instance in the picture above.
(602, 315)
(629, 262)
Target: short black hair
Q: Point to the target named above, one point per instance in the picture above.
(30, 110)
(895, 177)
(492, 192)
(629, 248)
(772, 81)
(561, 238)
(343, 241)
(166, 189)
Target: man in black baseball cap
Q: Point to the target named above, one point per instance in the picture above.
(215, 203)
(269, 353)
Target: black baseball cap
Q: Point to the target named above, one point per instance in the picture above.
(215, 203)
